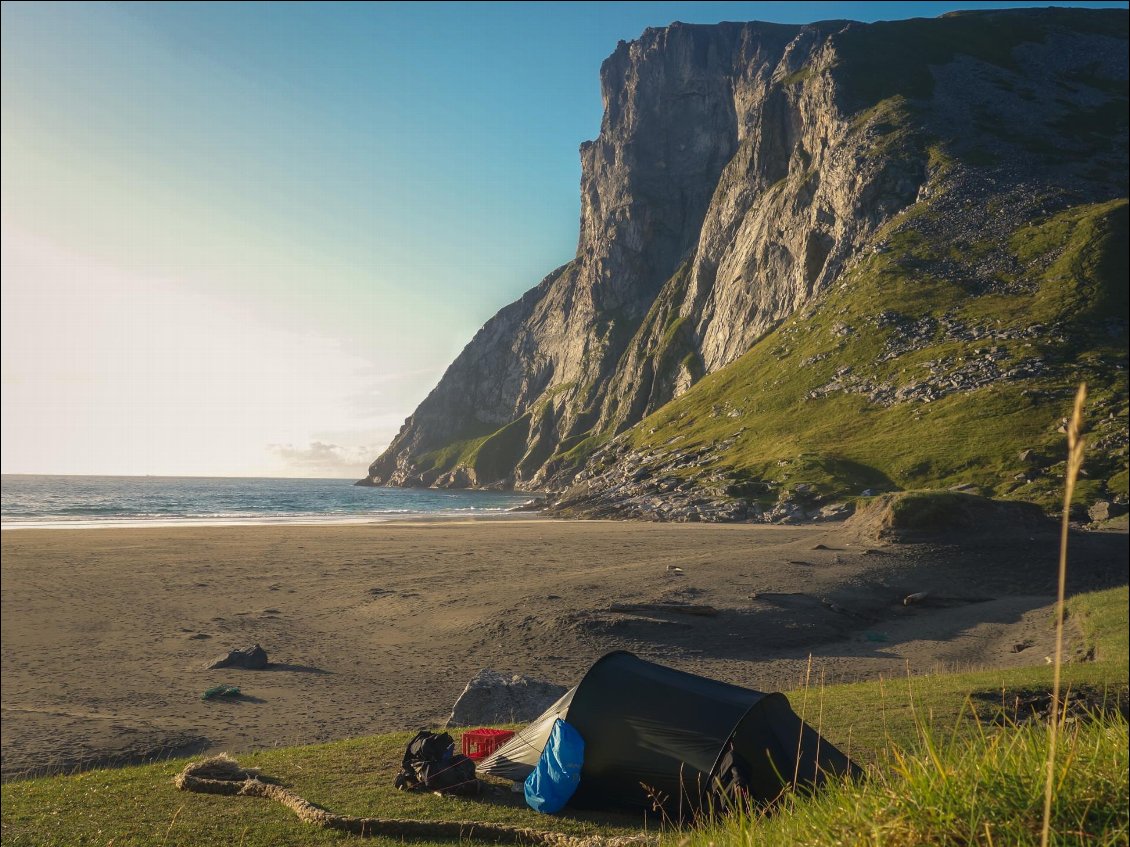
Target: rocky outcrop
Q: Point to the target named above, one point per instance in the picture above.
(492, 698)
(253, 658)
(740, 170)
(542, 365)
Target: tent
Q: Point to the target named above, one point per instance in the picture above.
(658, 737)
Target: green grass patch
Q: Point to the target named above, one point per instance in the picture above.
(140, 805)
(797, 77)
(786, 405)
(676, 323)
(1104, 121)
(496, 456)
(1101, 617)
(889, 58)
(985, 789)
(945, 769)
(575, 454)
(443, 459)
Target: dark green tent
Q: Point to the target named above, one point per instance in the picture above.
(655, 735)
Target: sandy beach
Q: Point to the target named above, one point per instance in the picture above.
(377, 627)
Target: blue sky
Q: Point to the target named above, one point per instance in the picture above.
(246, 239)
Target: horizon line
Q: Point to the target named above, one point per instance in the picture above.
(172, 476)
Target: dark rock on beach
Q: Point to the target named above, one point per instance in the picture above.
(252, 658)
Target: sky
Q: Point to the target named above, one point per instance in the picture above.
(247, 239)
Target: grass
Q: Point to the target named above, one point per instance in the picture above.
(985, 789)
(140, 806)
(786, 427)
(871, 720)
(893, 58)
(796, 77)
(890, 58)
(1101, 619)
(496, 456)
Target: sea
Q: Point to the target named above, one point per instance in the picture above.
(115, 501)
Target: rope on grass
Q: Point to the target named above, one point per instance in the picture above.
(223, 775)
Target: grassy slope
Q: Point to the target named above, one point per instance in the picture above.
(491, 453)
(139, 806)
(758, 408)
(943, 790)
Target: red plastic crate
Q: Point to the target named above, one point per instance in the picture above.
(480, 743)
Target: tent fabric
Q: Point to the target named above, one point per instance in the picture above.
(654, 737)
(653, 733)
(515, 759)
(554, 779)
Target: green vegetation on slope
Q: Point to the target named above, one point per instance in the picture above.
(889, 58)
(902, 377)
(449, 456)
(499, 452)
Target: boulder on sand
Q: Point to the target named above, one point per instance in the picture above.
(250, 658)
(493, 698)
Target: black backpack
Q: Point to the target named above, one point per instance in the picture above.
(431, 764)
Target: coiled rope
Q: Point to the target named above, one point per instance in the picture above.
(223, 775)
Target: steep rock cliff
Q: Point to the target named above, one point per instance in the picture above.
(543, 363)
(741, 171)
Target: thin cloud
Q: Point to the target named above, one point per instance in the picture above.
(320, 456)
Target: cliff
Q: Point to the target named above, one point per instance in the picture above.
(755, 180)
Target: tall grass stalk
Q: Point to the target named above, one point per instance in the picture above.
(1076, 445)
(803, 714)
(172, 823)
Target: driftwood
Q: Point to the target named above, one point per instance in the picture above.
(223, 775)
(676, 608)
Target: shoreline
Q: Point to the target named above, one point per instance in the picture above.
(304, 520)
(377, 627)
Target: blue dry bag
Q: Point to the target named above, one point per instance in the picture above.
(558, 772)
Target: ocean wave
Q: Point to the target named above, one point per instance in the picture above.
(147, 501)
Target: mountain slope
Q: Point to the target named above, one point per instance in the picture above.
(765, 206)
(901, 378)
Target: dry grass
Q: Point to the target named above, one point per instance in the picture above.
(1076, 447)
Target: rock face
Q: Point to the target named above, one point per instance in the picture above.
(739, 171)
(491, 698)
(1104, 510)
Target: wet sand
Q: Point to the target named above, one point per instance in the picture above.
(377, 627)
